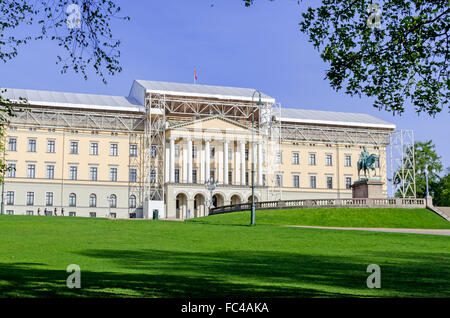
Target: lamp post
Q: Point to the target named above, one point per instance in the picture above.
(426, 172)
(211, 185)
(252, 221)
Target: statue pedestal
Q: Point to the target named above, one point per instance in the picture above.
(368, 189)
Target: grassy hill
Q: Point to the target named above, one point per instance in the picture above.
(345, 217)
(132, 258)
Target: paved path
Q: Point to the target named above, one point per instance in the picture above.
(412, 231)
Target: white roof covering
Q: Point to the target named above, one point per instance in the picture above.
(332, 118)
(221, 92)
(74, 100)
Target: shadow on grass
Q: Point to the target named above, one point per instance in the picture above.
(156, 273)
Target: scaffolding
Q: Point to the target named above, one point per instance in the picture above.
(402, 170)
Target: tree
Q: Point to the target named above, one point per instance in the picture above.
(394, 51)
(80, 27)
(425, 154)
(441, 190)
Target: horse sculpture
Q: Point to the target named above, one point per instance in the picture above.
(367, 164)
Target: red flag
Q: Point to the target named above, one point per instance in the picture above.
(195, 75)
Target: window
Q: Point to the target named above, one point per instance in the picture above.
(51, 146)
(246, 178)
(329, 182)
(230, 177)
(9, 212)
(113, 215)
(194, 175)
(132, 201)
(32, 145)
(212, 174)
(93, 172)
(92, 200)
(94, 149)
(212, 152)
(348, 161)
(29, 212)
(279, 158)
(246, 154)
(153, 151)
(114, 149)
(11, 170)
(153, 176)
(177, 175)
(72, 199)
(74, 147)
(49, 198)
(133, 150)
(377, 162)
(30, 198)
(295, 158)
(112, 174)
(279, 180)
(312, 159)
(31, 171)
(296, 181)
(328, 160)
(50, 173)
(230, 153)
(72, 214)
(133, 175)
(348, 183)
(177, 150)
(92, 214)
(112, 201)
(10, 198)
(194, 151)
(73, 172)
(312, 182)
(264, 179)
(12, 144)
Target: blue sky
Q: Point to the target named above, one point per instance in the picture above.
(228, 44)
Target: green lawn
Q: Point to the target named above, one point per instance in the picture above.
(345, 217)
(138, 258)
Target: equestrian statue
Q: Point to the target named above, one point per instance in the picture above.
(366, 162)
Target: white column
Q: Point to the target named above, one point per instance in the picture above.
(207, 159)
(172, 160)
(167, 164)
(201, 156)
(243, 163)
(237, 166)
(220, 175)
(185, 161)
(260, 174)
(225, 162)
(189, 164)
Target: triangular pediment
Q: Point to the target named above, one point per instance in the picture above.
(212, 123)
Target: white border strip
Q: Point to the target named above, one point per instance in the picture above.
(339, 123)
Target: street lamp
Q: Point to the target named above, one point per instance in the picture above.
(260, 103)
(211, 185)
(426, 172)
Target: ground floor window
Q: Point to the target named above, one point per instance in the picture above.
(348, 183)
(113, 215)
(92, 214)
(29, 212)
(9, 212)
(72, 214)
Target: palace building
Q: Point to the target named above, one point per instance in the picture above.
(152, 151)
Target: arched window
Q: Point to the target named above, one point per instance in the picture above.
(132, 202)
(72, 199)
(92, 200)
(153, 176)
(112, 201)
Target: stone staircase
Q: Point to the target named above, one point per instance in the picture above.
(442, 211)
